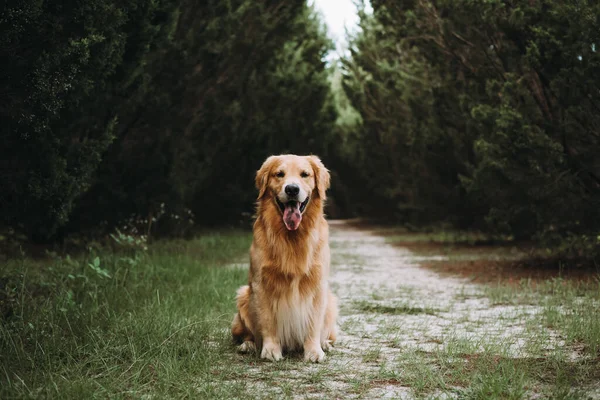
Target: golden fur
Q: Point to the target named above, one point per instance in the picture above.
(287, 303)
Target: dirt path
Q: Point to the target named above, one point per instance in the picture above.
(392, 311)
(390, 305)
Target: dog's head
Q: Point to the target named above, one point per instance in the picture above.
(292, 182)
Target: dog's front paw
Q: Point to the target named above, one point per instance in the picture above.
(314, 355)
(271, 351)
(247, 347)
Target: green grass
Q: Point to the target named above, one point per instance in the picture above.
(121, 322)
(481, 368)
(462, 369)
(561, 358)
(570, 307)
(441, 236)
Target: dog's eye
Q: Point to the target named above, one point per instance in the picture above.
(304, 174)
(280, 174)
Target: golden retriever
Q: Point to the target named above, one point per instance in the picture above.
(287, 304)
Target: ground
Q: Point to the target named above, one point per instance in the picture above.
(422, 315)
(409, 332)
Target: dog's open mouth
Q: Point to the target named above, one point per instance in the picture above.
(292, 212)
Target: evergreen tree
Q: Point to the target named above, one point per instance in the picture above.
(65, 64)
(486, 110)
(136, 108)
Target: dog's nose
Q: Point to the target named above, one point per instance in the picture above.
(292, 189)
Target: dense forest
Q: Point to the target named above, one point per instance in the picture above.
(484, 114)
(153, 110)
(480, 114)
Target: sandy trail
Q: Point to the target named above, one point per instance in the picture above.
(390, 307)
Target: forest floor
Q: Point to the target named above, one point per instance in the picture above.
(433, 315)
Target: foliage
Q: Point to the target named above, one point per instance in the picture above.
(482, 110)
(122, 110)
(119, 319)
(150, 115)
(238, 82)
(65, 66)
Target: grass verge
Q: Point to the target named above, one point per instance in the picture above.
(561, 358)
(120, 322)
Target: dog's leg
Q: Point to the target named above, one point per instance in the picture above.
(271, 349)
(247, 347)
(271, 345)
(312, 343)
(329, 332)
(241, 334)
(241, 327)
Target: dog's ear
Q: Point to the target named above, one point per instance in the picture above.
(262, 175)
(322, 176)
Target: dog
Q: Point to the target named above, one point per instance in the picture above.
(287, 304)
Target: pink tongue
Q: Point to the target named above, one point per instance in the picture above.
(292, 216)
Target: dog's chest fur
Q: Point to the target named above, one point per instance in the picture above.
(293, 312)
